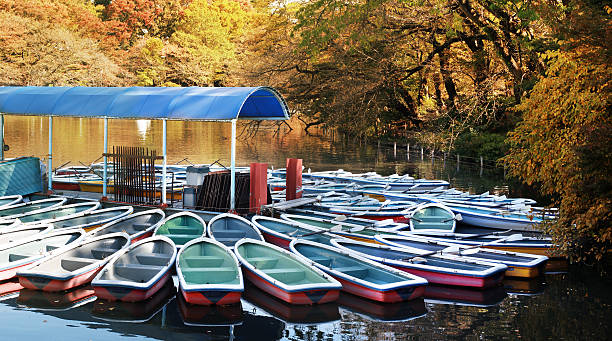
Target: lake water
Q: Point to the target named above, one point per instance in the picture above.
(575, 305)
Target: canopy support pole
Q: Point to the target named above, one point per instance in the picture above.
(233, 169)
(105, 174)
(164, 134)
(50, 161)
(2, 137)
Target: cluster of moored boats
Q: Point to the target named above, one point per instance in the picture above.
(306, 256)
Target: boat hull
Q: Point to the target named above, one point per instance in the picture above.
(211, 297)
(456, 280)
(311, 296)
(388, 296)
(141, 237)
(127, 294)
(12, 272)
(278, 241)
(45, 283)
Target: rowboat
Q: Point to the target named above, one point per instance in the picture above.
(209, 273)
(9, 289)
(261, 303)
(10, 200)
(281, 232)
(9, 224)
(56, 301)
(496, 218)
(432, 216)
(138, 225)
(137, 272)
(70, 182)
(48, 215)
(19, 209)
(519, 264)
(134, 312)
(96, 186)
(26, 251)
(72, 170)
(10, 236)
(285, 275)
(181, 227)
(92, 219)
(339, 227)
(435, 268)
(383, 312)
(73, 266)
(381, 211)
(361, 276)
(229, 228)
(534, 245)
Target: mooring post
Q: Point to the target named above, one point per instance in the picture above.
(395, 149)
(408, 151)
(481, 165)
(165, 160)
(421, 153)
(50, 161)
(233, 169)
(457, 162)
(105, 174)
(2, 137)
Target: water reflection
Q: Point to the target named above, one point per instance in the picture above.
(383, 312)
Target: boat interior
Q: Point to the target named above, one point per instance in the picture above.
(133, 225)
(207, 263)
(37, 247)
(432, 218)
(229, 230)
(181, 229)
(9, 236)
(90, 218)
(56, 213)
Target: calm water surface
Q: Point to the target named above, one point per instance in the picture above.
(571, 306)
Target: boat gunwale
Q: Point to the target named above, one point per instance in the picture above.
(95, 206)
(60, 202)
(129, 210)
(180, 214)
(130, 216)
(232, 216)
(18, 199)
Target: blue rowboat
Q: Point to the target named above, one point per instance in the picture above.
(386, 224)
(209, 273)
(519, 264)
(338, 227)
(284, 275)
(229, 228)
(138, 225)
(496, 218)
(19, 209)
(435, 268)
(137, 272)
(74, 266)
(92, 219)
(181, 228)
(281, 232)
(361, 276)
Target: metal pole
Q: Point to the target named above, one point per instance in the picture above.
(105, 174)
(164, 133)
(50, 162)
(233, 169)
(2, 137)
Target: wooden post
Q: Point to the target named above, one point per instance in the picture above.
(481, 164)
(457, 162)
(408, 151)
(395, 149)
(421, 153)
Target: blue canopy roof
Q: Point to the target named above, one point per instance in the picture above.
(173, 103)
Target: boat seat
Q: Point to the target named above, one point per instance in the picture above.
(13, 257)
(75, 263)
(141, 227)
(102, 252)
(137, 272)
(263, 262)
(209, 275)
(355, 271)
(325, 261)
(227, 241)
(433, 218)
(431, 226)
(154, 259)
(203, 261)
(185, 230)
(234, 234)
(286, 275)
(181, 239)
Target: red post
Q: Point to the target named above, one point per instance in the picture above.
(294, 179)
(259, 187)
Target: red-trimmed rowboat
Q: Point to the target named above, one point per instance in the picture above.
(138, 272)
(138, 225)
(285, 275)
